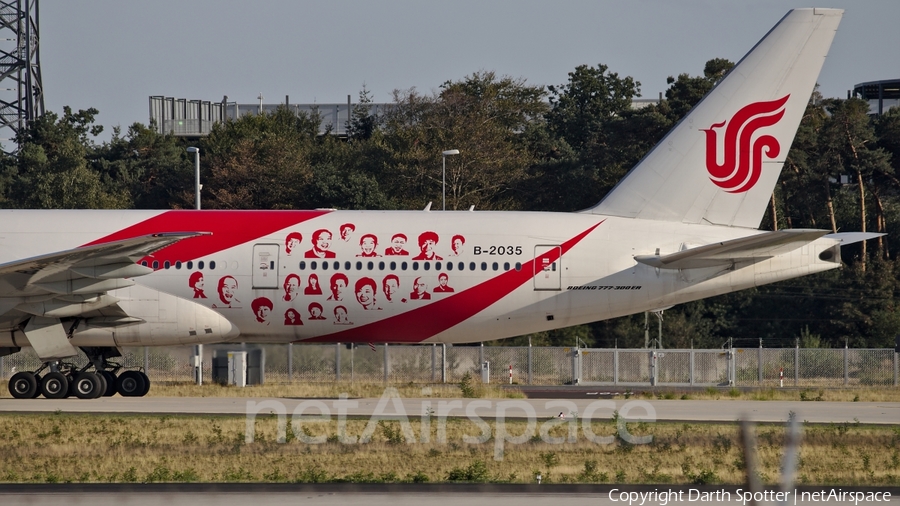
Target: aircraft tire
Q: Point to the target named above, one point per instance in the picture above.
(37, 391)
(55, 385)
(110, 383)
(102, 389)
(130, 384)
(87, 385)
(23, 385)
(146, 383)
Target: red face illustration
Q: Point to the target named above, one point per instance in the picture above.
(742, 164)
(291, 287)
(367, 244)
(315, 311)
(365, 293)
(292, 242)
(262, 307)
(391, 287)
(227, 289)
(339, 284)
(457, 244)
(196, 282)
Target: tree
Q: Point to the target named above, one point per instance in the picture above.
(52, 170)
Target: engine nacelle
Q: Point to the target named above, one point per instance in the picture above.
(164, 320)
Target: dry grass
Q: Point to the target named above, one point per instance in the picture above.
(849, 394)
(330, 390)
(93, 448)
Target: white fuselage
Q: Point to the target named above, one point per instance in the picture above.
(511, 273)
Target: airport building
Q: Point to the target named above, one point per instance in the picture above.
(194, 118)
(881, 95)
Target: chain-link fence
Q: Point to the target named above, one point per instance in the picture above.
(522, 365)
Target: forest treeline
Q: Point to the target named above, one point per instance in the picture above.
(523, 147)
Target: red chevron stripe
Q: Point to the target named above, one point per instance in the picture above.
(229, 229)
(422, 323)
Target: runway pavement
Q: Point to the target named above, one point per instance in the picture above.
(391, 406)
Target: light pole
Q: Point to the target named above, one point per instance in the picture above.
(198, 349)
(196, 152)
(445, 154)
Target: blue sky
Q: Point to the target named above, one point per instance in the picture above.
(113, 55)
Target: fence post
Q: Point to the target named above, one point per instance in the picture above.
(387, 363)
(433, 361)
(290, 362)
(846, 365)
(759, 363)
(147, 358)
(576, 366)
(797, 364)
(616, 366)
(480, 356)
(3, 371)
(337, 361)
(692, 364)
(530, 360)
(443, 362)
(896, 369)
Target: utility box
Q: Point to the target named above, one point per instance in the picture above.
(485, 372)
(237, 368)
(253, 369)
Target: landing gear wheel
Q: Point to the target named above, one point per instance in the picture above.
(102, 390)
(55, 385)
(23, 385)
(87, 385)
(110, 383)
(37, 391)
(130, 384)
(146, 383)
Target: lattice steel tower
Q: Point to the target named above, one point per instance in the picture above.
(21, 90)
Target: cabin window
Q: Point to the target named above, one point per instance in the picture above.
(426, 265)
(200, 265)
(212, 265)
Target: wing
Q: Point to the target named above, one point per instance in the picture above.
(74, 282)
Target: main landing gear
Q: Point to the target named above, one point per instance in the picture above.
(64, 380)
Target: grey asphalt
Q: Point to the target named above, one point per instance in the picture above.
(392, 406)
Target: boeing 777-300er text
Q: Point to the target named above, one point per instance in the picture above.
(680, 226)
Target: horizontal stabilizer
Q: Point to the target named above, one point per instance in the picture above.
(745, 249)
(853, 237)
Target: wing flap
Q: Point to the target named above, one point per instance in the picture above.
(745, 249)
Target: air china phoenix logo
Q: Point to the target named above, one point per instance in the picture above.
(742, 164)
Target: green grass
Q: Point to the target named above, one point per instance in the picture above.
(121, 448)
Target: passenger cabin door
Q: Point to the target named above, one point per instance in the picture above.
(547, 272)
(265, 265)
